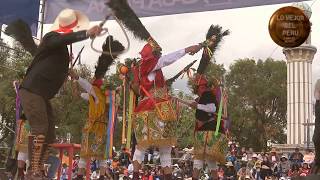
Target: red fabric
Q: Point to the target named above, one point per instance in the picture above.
(201, 80)
(97, 82)
(147, 64)
(68, 28)
(202, 84)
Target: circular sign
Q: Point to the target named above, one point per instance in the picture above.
(289, 27)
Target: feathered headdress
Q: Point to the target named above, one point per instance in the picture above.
(21, 32)
(209, 47)
(105, 60)
(127, 16)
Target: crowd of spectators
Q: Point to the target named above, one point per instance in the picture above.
(241, 164)
(248, 165)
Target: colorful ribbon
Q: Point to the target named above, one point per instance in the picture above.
(129, 131)
(18, 104)
(109, 124)
(113, 123)
(216, 133)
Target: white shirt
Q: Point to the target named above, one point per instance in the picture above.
(210, 108)
(166, 60)
(88, 88)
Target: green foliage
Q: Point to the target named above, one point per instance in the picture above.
(257, 101)
(184, 129)
(12, 67)
(71, 110)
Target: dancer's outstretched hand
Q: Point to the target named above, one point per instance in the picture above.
(94, 31)
(193, 49)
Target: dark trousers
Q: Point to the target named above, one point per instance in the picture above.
(316, 135)
(39, 114)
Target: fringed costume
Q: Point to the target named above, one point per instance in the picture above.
(210, 141)
(154, 115)
(94, 133)
(23, 131)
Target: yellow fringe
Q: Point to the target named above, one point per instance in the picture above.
(210, 154)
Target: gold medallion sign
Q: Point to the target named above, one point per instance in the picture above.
(289, 27)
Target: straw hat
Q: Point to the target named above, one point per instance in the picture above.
(284, 156)
(70, 20)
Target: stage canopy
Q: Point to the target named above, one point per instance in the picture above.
(27, 10)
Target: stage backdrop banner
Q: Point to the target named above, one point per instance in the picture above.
(96, 9)
(27, 10)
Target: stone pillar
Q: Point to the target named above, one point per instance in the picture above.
(299, 91)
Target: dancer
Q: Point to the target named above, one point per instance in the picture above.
(151, 129)
(44, 78)
(210, 146)
(94, 132)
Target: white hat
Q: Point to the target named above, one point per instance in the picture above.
(254, 155)
(70, 20)
(229, 163)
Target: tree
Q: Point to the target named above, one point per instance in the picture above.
(184, 128)
(70, 109)
(12, 67)
(257, 101)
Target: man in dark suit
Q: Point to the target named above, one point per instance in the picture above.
(44, 78)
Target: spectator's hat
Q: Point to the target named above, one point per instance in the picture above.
(229, 163)
(254, 155)
(187, 149)
(284, 156)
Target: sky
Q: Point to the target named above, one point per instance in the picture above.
(249, 37)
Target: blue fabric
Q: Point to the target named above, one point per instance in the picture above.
(27, 10)
(54, 165)
(109, 124)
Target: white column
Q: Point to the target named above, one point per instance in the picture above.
(299, 89)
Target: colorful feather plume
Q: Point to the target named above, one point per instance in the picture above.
(127, 16)
(209, 50)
